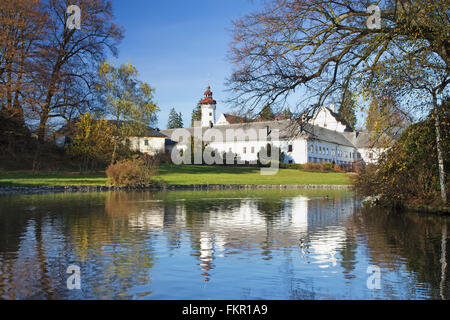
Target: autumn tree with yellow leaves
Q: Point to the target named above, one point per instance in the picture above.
(92, 143)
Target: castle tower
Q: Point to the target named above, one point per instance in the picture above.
(208, 109)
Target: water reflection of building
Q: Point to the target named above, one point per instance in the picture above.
(118, 239)
(221, 227)
(206, 254)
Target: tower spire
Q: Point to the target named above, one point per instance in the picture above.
(208, 99)
(208, 108)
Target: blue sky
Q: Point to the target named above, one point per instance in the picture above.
(178, 46)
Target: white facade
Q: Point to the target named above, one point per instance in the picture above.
(320, 151)
(325, 119)
(370, 155)
(222, 121)
(148, 145)
(326, 139)
(208, 115)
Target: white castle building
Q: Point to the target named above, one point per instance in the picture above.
(322, 139)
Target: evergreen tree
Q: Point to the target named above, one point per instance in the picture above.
(287, 114)
(347, 111)
(175, 120)
(267, 114)
(196, 114)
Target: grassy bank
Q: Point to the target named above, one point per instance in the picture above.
(182, 175)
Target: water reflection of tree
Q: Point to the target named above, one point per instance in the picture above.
(418, 239)
(33, 270)
(271, 210)
(92, 231)
(124, 252)
(348, 252)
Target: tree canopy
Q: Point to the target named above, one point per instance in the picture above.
(196, 114)
(347, 110)
(325, 48)
(47, 70)
(175, 120)
(395, 48)
(126, 99)
(267, 113)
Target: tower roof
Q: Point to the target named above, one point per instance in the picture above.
(208, 99)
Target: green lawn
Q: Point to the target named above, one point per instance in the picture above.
(182, 175)
(23, 178)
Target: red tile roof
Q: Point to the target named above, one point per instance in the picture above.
(208, 99)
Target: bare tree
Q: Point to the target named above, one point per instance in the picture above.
(22, 29)
(328, 47)
(69, 58)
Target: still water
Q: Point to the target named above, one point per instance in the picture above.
(218, 245)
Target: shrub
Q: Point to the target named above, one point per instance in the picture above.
(319, 167)
(408, 171)
(162, 158)
(135, 172)
(295, 166)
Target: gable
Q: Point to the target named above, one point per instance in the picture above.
(328, 119)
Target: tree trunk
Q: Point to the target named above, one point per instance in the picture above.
(42, 130)
(440, 153)
(113, 158)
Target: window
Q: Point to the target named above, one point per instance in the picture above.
(290, 148)
(312, 149)
(146, 142)
(253, 149)
(230, 150)
(210, 114)
(245, 150)
(290, 161)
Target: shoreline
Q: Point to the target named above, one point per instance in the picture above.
(402, 207)
(16, 190)
(438, 210)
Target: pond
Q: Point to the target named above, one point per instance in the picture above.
(250, 245)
